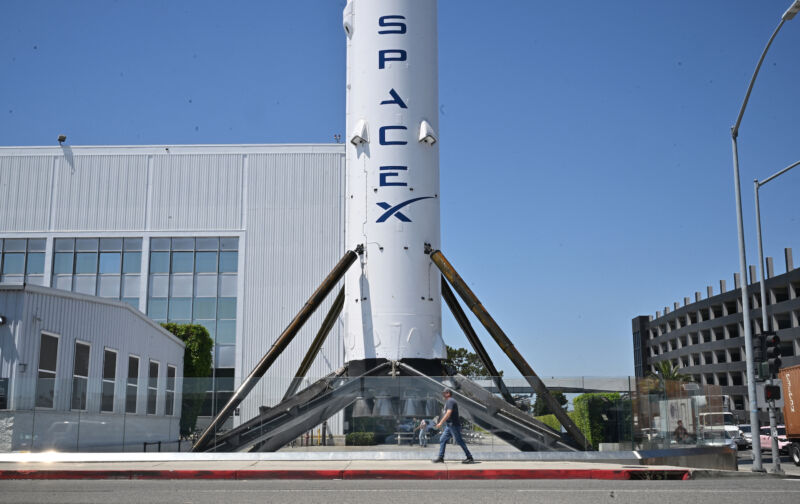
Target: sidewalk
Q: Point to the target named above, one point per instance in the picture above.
(356, 469)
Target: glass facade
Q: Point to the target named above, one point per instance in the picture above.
(104, 267)
(22, 260)
(194, 280)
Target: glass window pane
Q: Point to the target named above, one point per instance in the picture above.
(206, 262)
(227, 285)
(84, 284)
(157, 308)
(45, 390)
(111, 244)
(62, 263)
(159, 244)
(86, 244)
(181, 286)
(226, 356)
(110, 262)
(130, 399)
(14, 245)
(159, 262)
(132, 301)
(107, 398)
(133, 244)
(205, 286)
(133, 370)
(229, 243)
(108, 286)
(226, 332)
(132, 262)
(63, 282)
(86, 262)
(81, 367)
(13, 264)
(48, 353)
(183, 244)
(180, 309)
(35, 264)
(227, 308)
(34, 279)
(64, 245)
(207, 243)
(182, 262)
(109, 365)
(13, 279)
(159, 285)
(130, 286)
(228, 262)
(79, 393)
(36, 245)
(205, 308)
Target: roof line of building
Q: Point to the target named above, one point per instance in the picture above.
(331, 148)
(49, 291)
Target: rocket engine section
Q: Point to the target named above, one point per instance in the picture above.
(392, 305)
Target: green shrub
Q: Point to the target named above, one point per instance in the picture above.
(589, 413)
(360, 439)
(550, 421)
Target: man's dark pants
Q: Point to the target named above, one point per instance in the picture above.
(454, 431)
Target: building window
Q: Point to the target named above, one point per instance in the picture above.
(106, 267)
(109, 380)
(132, 386)
(169, 406)
(152, 388)
(46, 378)
(22, 260)
(80, 376)
(194, 280)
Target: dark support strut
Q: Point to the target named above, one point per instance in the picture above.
(316, 345)
(469, 332)
(277, 348)
(502, 340)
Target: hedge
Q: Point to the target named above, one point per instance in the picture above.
(360, 439)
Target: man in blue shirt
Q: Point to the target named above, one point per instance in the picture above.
(452, 423)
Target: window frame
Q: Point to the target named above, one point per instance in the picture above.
(155, 388)
(39, 370)
(135, 387)
(74, 376)
(169, 406)
(104, 380)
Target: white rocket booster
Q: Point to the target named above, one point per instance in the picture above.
(392, 305)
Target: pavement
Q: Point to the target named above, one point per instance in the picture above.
(38, 467)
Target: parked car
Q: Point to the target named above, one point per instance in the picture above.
(783, 443)
(719, 438)
(747, 435)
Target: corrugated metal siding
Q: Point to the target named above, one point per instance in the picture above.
(11, 307)
(25, 192)
(100, 192)
(295, 219)
(102, 326)
(197, 192)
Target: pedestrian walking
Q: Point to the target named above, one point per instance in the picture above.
(423, 433)
(452, 422)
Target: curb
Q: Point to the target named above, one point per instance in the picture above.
(365, 474)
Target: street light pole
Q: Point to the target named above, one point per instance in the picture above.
(748, 336)
(776, 461)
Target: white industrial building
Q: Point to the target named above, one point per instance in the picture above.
(233, 237)
(83, 373)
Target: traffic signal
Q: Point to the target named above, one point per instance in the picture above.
(773, 352)
(772, 392)
(758, 348)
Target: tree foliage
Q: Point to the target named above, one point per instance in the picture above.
(196, 366)
(540, 407)
(465, 362)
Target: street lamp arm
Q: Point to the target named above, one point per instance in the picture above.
(735, 128)
(797, 163)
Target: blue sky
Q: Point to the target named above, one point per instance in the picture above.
(585, 148)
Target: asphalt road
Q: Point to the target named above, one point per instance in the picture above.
(727, 490)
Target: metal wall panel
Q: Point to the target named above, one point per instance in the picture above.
(295, 219)
(197, 192)
(11, 307)
(100, 192)
(25, 192)
(102, 324)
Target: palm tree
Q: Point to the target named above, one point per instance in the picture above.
(666, 372)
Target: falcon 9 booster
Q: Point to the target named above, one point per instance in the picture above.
(392, 304)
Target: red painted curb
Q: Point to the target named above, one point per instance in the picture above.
(425, 474)
(360, 474)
